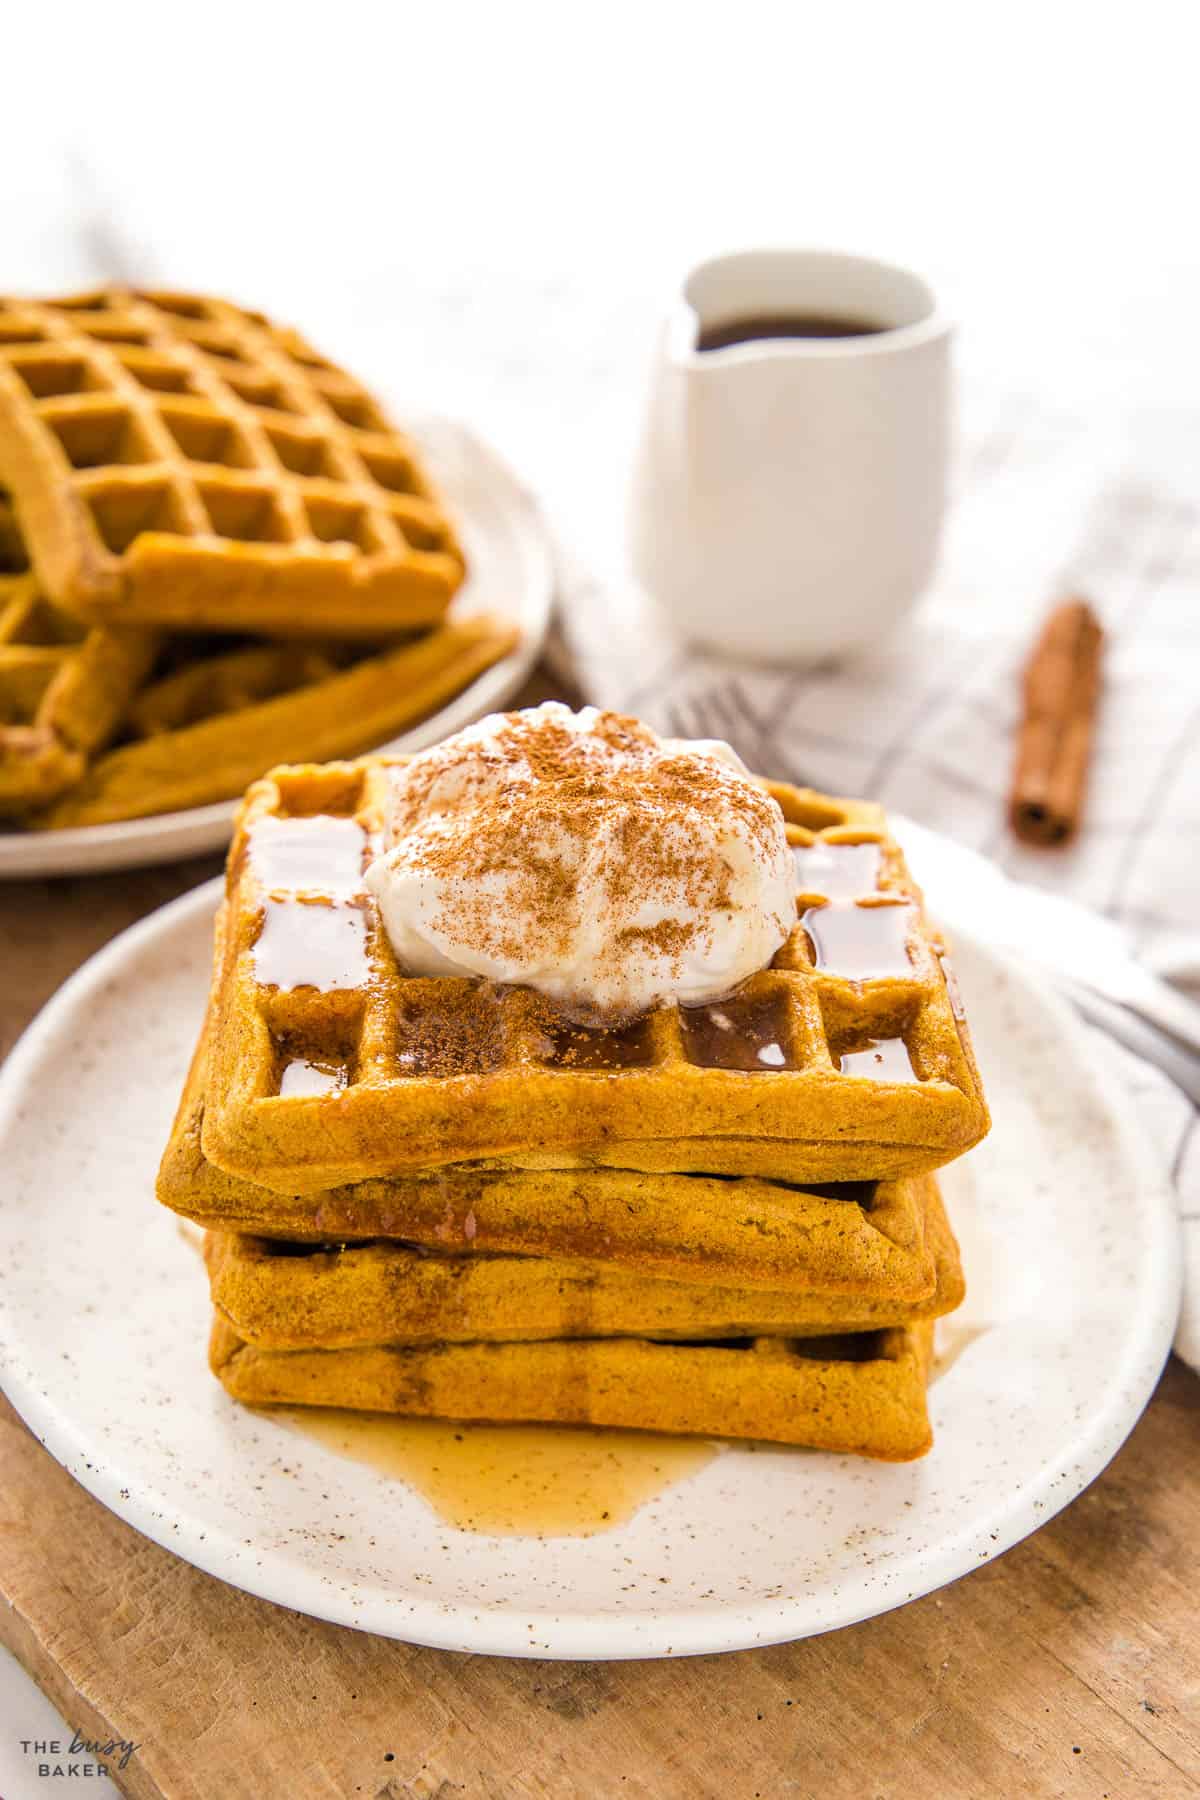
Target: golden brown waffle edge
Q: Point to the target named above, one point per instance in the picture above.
(858, 1395)
(859, 1241)
(291, 1297)
(64, 686)
(217, 758)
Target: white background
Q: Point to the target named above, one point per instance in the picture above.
(484, 207)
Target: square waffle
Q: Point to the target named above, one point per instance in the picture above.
(64, 686)
(847, 1059)
(280, 1296)
(177, 461)
(863, 1241)
(859, 1394)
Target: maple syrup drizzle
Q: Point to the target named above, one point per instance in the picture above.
(838, 871)
(745, 1034)
(317, 855)
(861, 943)
(512, 1480)
(309, 944)
(301, 1077)
(886, 1059)
(566, 1045)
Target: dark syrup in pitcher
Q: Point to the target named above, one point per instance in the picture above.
(753, 328)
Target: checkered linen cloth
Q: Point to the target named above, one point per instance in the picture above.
(925, 722)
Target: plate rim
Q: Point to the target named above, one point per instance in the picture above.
(691, 1631)
(202, 830)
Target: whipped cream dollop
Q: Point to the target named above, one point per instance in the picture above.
(582, 855)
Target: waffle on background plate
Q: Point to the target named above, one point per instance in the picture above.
(440, 1198)
(215, 554)
(175, 460)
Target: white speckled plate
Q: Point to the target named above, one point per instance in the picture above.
(510, 572)
(1071, 1254)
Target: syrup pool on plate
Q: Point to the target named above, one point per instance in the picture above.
(512, 1480)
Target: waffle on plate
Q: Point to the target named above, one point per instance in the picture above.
(287, 1296)
(848, 1059)
(446, 1198)
(865, 1240)
(178, 461)
(862, 1394)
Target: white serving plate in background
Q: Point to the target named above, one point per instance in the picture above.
(510, 571)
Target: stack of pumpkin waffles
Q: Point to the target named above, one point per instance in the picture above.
(443, 1197)
(216, 553)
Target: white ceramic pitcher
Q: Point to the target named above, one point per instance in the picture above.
(788, 491)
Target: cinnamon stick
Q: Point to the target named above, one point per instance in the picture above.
(1061, 689)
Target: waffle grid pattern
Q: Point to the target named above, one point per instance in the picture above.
(441, 1071)
(159, 444)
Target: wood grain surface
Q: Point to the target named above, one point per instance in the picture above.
(1071, 1666)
